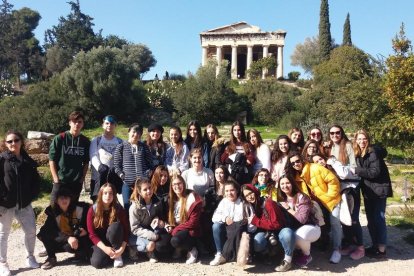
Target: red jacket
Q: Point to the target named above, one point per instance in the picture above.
(193, 224)
(271, 218)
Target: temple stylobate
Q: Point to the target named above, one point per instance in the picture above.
(241, 44)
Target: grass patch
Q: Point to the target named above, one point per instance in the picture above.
(404, 219)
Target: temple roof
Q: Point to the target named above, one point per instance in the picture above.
(235, 28)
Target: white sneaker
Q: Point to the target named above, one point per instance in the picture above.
(335, 257)
(192, 256)
(218, 260)
(4, 269)
(152, 258)
(31, 262)
(118, 262)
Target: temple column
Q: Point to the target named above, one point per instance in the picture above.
(249, 57)
(265, 53)
(204, 56)
(218, 57)
(234, 62)
(279, 68)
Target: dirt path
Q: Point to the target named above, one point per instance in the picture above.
(399, 263)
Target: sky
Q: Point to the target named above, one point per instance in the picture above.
(171, 28)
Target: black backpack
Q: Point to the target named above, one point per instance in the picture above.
(239, 170)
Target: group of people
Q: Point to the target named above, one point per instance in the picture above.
(239, 198)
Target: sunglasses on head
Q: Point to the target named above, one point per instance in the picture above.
(11, 141)
(335, 133)
(295, 162)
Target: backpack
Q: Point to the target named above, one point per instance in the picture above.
(239, 170)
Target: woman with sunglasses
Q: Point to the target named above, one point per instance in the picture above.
(310, 149)
(376, 187)
(19, 187)
(341, 148)
(316, 134)
(323, 186)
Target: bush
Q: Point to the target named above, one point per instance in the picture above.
(293, 76)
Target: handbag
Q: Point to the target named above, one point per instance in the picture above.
(344, 214)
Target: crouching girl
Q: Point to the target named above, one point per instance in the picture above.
(65, 229)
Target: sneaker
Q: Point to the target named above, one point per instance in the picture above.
(118, 262)
(42, 253)
(358, 253)
(177, 254)
(218, 260)
(347, 250)
(31, 262)
(335, 257)
(303, 260)
(4, 269)
(152, 258)
(49, 263)
(284, 266)
(132, 254)
(192, 256)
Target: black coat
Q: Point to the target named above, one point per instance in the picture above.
(375, 178)
(19, 180)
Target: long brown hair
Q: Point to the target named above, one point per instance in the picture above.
(172, 198)
(215, 131)
(276, 153)
(18, 134)
(231, 148)
(135, 195)
(305, 149)
(357, 150)
(343, 157)
(99, 219)
(180, 143)
(258, 136)
(156, 177)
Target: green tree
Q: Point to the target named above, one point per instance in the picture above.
(256, 67)
(57, 59)
(346, 40)
(5, 38)
(114, 41)
(75, 32)
(325, 39)
(140, 57)
(101, 82)
(307, 55)
(207, 98)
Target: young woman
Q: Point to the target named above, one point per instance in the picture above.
(156, 144)
(160, 182)
(65, 229)
(229, 211)
(221, 175)
(132, 159)
(324, 187)
(194, 138)
(300, 207)
(108, 228)
(265, 184)
(146, 217)
(316, 134)
(184, 212)
(298, 141)
(376, 187)
(19, 187)
(341, 149)
(310, 148)
(279, 156)
(262, 150)
(198, 178)
(177, 153)
(267, 216)
(239, 144)
(213, 147)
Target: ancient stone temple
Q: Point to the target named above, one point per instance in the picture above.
(241, 44)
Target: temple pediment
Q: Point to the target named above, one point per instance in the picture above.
(235, 28)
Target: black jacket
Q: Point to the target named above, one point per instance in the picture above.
(19, 180)
(375, 178)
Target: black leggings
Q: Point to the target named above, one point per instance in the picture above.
(115, 238)
(182, 240)
(52, 246)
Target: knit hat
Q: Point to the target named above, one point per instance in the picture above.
(155, 126)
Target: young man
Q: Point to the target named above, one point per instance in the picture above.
(69, 158)
(101, 154)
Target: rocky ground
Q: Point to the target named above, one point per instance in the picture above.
(400, 262)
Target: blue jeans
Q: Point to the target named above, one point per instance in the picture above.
(219, 232)
(287, 238)
(26, 218)
(375, 212)
(126, 194)
(139, 243)
(336, 229)
(260, 242)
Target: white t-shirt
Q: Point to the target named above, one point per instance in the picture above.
(104, 152)
(199, 182)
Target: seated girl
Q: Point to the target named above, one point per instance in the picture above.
(108, 228)
(265, 184)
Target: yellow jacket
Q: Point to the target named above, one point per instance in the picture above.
(321, 183)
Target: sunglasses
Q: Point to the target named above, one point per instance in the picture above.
(293, 163)
(315, 134)
(335, 133)
(11, 141)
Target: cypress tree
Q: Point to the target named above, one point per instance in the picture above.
(346, 40)
(325, 39)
